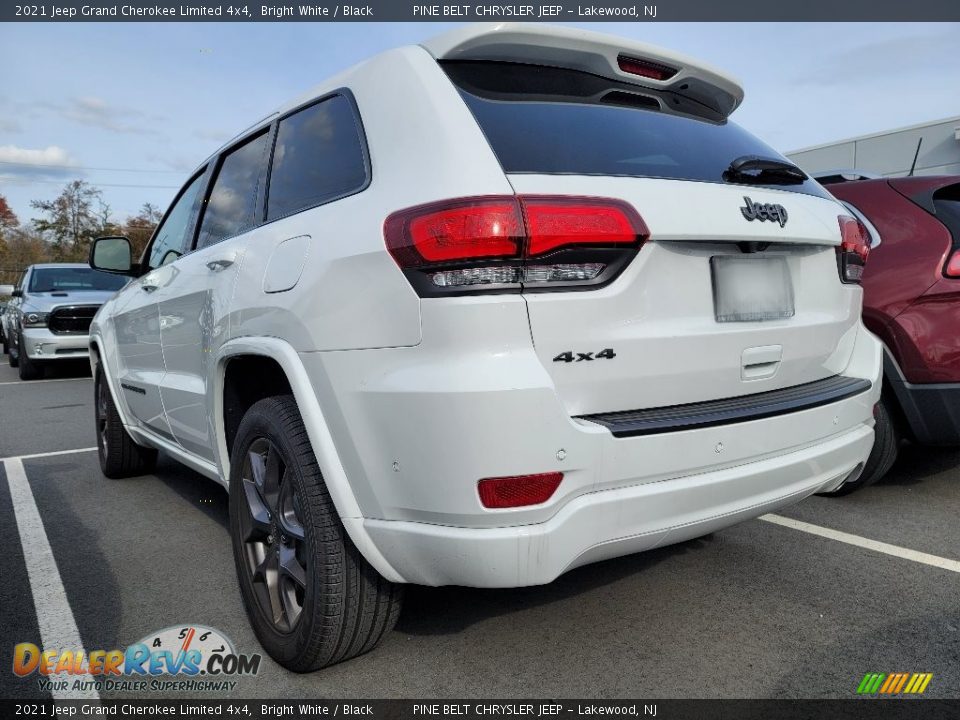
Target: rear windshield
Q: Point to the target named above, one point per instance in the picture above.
(557, 121)
(73, 279)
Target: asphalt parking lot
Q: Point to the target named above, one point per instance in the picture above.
(763, 609)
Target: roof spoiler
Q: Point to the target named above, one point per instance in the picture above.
(608, 56)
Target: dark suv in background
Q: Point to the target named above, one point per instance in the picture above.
(911, 287)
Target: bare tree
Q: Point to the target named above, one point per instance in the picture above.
(23, 246)
(140, 227)
(72, 220)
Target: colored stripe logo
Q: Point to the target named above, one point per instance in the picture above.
(894, 683)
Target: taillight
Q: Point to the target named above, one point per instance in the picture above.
(519, 490)
(952, 268)
(457, 230)
(554, 223)
(513, 243)
(645, 68)
(854, 249)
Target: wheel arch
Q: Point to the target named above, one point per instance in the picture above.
(281, 353)
(99, 357)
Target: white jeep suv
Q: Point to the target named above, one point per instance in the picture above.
(478, 312)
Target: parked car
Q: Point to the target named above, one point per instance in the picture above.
(478, 312)
(3, 326)
(48, 318)
(911, 302)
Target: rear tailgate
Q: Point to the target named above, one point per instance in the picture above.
(659, 315)
(737, 289)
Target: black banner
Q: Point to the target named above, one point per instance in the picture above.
(874, 709)
(554, 11)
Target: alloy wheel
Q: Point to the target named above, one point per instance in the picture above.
(272, 534)
(102, 416)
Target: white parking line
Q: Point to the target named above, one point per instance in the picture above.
(58, 629)
(875, 545)
(48, 454)
(34, 382)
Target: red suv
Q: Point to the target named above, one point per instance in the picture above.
(911, 301)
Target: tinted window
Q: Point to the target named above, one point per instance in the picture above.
(947, 203)
(318, 157)
(551, 120)
(170, 240)
(73, 279)
(232, 202)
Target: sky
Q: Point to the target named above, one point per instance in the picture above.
(134, 107)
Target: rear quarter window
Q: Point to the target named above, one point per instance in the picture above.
(946, 201)
(319, 156)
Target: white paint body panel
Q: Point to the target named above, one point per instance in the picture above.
(408, 402)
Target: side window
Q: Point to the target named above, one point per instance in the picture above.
(232, 202)
(319, 156)
(171, 239)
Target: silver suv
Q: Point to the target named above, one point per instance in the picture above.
(48, 318)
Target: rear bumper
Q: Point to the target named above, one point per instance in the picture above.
(416, 428)
(610, 523)
(41, 344)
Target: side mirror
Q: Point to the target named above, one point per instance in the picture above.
(6, 290)
(111, 254)
(17, 292)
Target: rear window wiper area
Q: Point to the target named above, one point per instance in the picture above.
(758, 170)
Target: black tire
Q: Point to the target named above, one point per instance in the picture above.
(6, 347)
(886, 446)
(326, 604)
(120, 457)
(28, 369)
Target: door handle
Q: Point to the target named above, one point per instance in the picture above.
(149, 288)
(218, 265)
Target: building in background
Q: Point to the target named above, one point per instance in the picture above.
(890, 153)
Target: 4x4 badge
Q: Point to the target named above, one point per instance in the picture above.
(764, 211)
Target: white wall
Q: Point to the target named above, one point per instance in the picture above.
(891, 153)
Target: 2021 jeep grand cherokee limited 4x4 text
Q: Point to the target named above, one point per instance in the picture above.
(481, 311)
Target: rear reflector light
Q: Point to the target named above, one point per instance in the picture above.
(645, 68)
(854, 249)
(952, 268)
(519, 490)
(496, 244)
